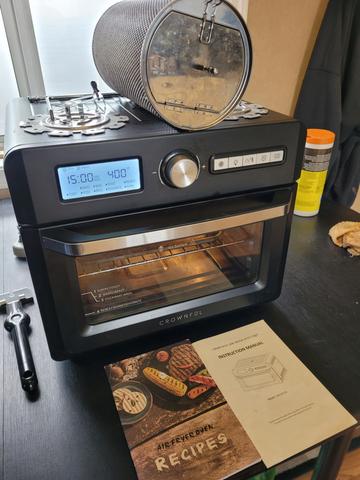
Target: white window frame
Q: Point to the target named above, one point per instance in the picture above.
(24, 53)
(23, 48)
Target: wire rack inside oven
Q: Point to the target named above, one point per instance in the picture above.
(136, 257)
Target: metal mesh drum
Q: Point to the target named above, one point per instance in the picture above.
(187, 61)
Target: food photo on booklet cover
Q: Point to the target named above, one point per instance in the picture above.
(176, 421)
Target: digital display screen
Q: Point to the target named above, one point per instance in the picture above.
(96, 179)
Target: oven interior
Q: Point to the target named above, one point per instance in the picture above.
(133, 280)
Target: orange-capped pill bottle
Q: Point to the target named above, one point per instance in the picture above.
(318, 150)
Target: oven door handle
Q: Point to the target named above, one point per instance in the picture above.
(104, 245)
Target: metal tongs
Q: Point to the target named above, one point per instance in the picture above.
(17, 324)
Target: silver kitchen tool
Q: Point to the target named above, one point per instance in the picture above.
(17, 324)
(187, 61)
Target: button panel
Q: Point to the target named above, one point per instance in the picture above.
(249, 160)
(238, 162)
(277, 156)
(221, 164)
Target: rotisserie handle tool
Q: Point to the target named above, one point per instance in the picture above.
(17, 323)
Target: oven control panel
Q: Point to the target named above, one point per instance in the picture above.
(224, 163)
(144, 165)
(180, 169)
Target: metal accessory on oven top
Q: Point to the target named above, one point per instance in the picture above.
(249, 111)
(85, 116)
(81, 117)
(17, 323)
(207, 26)
(187, 61)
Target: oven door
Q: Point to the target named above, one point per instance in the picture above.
(119, 278)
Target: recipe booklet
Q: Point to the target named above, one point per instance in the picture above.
(281, 404)
(217, 406)
(176, 421)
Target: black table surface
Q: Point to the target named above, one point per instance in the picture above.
(72, 429)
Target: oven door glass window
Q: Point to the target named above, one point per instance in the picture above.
(129, 281)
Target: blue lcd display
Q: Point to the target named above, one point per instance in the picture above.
(96, 179)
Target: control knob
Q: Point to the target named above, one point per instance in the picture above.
(180, 169)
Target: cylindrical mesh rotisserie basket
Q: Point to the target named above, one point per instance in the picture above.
(187, 61)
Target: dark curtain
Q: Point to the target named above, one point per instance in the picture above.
(330, 95)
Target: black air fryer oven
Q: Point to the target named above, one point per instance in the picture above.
(143, 228)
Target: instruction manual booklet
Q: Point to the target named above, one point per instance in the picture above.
(176, 422)
(280, 403)
(212, 408)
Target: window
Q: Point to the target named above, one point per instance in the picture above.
(50, 44)
(63, 32)
(8, 89)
